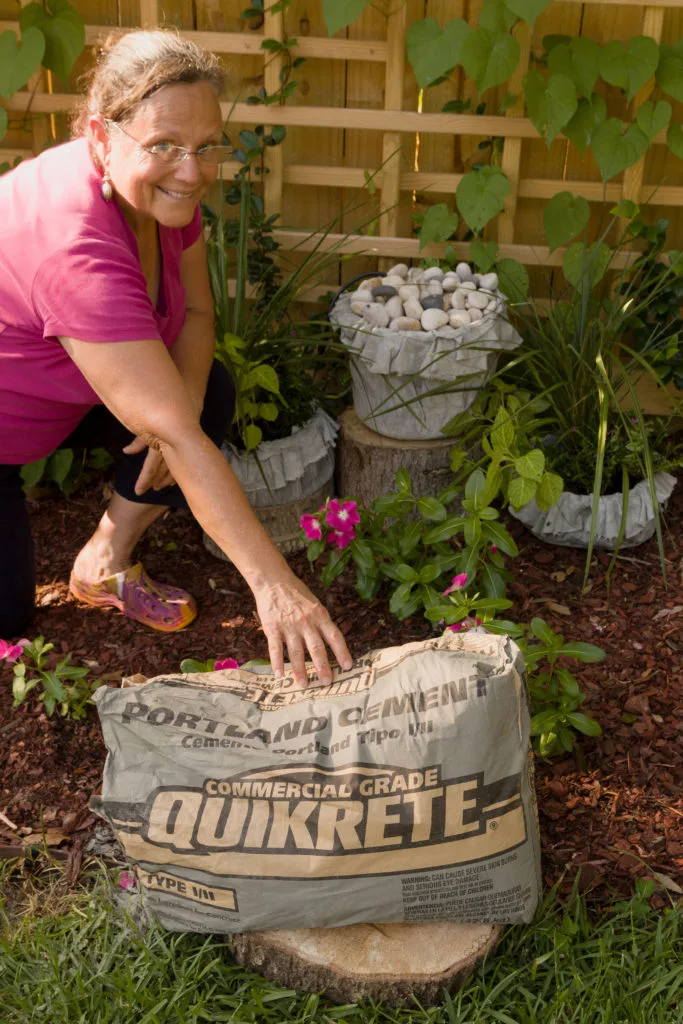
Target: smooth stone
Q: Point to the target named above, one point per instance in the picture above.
(361, 296)
(432, 319)
(469, 286)
(460, 318)
(375, 313)
(369, 284)
(358, 307)
(400, 270)
(393, 280)
(450, 282)
(394, 307)
(384, 291)
(409, 291)
(407, 323)
(432, 302)
(434, 288)
(477, 300)
(492, 305)
(489, 282)
(414, 275)
(413, 308)
(475, 314)
(459, 299)
(433, 273)
(464, 271)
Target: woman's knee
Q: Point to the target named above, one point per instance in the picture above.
(219, 403)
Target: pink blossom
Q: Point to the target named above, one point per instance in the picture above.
(457, 583)
(12, 652)
(342, 538)
(342, 516)
(311, 527)
(466, 624)
(126, 881)
(494, 549)
(225, 663)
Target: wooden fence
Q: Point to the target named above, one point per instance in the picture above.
(357, 108)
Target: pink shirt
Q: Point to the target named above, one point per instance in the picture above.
(69, 266)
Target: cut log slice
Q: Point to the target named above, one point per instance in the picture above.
(367, 461)
(383, 962)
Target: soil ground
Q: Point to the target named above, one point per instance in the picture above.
(613, 808)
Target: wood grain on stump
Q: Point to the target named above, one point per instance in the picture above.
(367, 461)
(387, 962)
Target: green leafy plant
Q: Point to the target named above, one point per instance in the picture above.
(66, 469)
(62, 687)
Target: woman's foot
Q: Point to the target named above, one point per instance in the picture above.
(157, 605)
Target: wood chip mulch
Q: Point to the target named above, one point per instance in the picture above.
(614, 808)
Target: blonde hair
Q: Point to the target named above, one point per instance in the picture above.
(131, 67)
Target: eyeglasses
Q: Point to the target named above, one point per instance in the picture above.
(167, 153)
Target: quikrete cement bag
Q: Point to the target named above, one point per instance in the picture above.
(401, 792)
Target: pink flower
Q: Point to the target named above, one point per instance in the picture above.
(457, 583)
(311, 527)
(342, 516)
(342, 538)
(466, 624)
(494, 549)
(12, 652)
(126, 881)
(225, 663)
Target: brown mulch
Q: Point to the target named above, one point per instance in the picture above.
(614, 808)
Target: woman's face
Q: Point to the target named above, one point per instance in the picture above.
(147, 188)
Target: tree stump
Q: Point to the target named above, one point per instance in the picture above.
(387, 962)
(367, 462)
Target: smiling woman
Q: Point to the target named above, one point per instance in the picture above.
(105, 301)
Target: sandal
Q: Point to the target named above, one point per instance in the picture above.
(154, 604)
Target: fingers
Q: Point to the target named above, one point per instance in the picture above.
(135, 446)
(148, 473)
(337, 644)
(277, 661)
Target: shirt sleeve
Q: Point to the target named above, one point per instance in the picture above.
(191, 233)
(94, 290)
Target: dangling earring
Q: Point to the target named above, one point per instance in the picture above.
(106, 189)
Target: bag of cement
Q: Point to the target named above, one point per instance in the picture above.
(400, 792)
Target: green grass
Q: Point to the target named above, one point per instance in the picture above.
(85, 963)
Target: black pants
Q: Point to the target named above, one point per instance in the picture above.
(98, 428)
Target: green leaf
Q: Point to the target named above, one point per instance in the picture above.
(444, 531)
(490, 57)
(472, 531)
(615, 149)
(590, 113)
(335, 567)
(551, 103)
(670, 71)
(480, 196)
(475, 488)
(674, 139)
(653, 119)
(543, 632)
(315, 550)
(625, 208)
(60, 463)
(4, 121)
(19, 60)
(430, 508)
(412, 535)
(252, 435)
(588, 726)
(400, 597)
(549, 490)
(498, 535)
(521, 492)
(402, 480)
(32, 472)
(428, 573)
(564, 217)
(338, 14)
(503, 431)
(438, 225)
(629, 67)
(433, 52)
(587, 266)
(496, 16)
(528, 10)
(363, 555)
(405, 573)
(493, 582)
(578, 60)
(582, 652)
(266, 377)
(483, 254)
(192, 665)
(64, 33)
(268, 411)
(367, 584)
(513, 279)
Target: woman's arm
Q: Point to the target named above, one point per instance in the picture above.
(139, 383)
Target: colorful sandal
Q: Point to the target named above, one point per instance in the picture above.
(136, 595)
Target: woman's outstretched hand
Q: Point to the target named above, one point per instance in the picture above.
(290, 614)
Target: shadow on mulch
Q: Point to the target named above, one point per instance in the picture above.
(614, 809)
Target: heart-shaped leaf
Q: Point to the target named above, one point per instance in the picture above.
(629, 67)
(483, 254)
(578, 60)
(513, 279)
(670, 70)
(481, 194)
(531, 466)
(551, 103)
(438, 225)
(528, 10)
(64, 33)
(496, 16)
(19, 61)
(4, 121)
(615, 149)
(564, 217)
(674, 139)
(340, 13)
(490, 57)
(433, 52)
(587, 266)
(653, 119)
(590, 113)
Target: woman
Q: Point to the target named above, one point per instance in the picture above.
(105, 298)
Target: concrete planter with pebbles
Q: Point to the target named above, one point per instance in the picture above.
(415, 331)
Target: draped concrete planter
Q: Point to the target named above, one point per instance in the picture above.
(299, 477)
(392, 371)
(568, 522)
